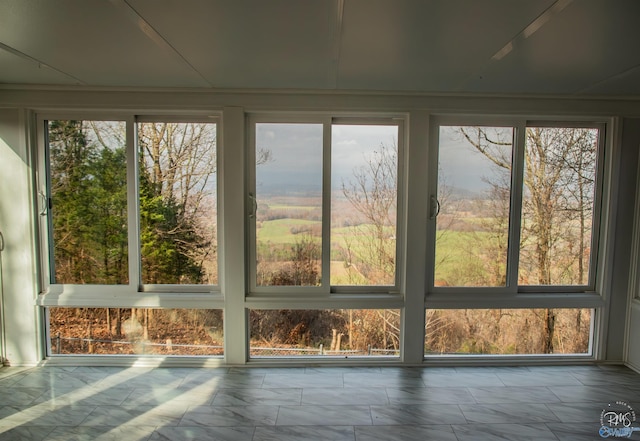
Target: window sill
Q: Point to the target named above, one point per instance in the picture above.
(329, 301)
(103, 297)
(469, 300)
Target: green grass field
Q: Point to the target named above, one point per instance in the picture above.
(288, 207)
(279, 231)
(458, 258)
(460, 255)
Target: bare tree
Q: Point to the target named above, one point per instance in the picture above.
(373, 194)
(558, 188)
(179, 162)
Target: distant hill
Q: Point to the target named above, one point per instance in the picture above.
(459, 193)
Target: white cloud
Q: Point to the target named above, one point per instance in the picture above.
(346, 143)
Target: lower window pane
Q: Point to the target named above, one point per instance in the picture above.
(507, 331)
(339, 333)
(109, 331)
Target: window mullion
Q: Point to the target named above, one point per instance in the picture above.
(326, 207)
(433, 205)
(598, 208)
(251, 207)
(401, 211)
(42, 203)
(515, 209)
(133, 208)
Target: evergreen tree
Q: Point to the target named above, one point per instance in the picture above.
(82, 241)
(167, 238)
(88, 179)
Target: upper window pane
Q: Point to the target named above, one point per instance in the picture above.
(178, 204)
(289, 204)
(88, 191)
(558, 206)
(474, 188)
(364, 204)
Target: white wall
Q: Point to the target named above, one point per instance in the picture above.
(633, 346)
(631, 143)
(19, 291)
(624, 181)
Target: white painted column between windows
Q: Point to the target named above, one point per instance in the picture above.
(232, 237)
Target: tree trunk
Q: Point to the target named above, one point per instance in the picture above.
(118, 323)
(90, 333)
(350, 329)
(549, 330)
(145, 326)
(334, 339)
(384, 329)
(109, 321)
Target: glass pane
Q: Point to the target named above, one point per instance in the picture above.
(474, 190)
(88, 188)
(364, 204)
(289, 204)
(108, 331)
(558, 206)
(341, 333)
(178, 204)
(507, 331)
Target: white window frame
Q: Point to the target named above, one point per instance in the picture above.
(192, 288)
(512, 294)
(134, 294)
(413, 289)
(326, 290)
(515, 200)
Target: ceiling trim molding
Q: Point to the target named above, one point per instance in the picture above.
(143, 101)
(317, 92)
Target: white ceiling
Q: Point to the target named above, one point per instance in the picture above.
(580, 47)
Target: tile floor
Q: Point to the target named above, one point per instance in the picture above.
(363, 404)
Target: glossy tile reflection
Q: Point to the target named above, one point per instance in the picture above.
(317, 403)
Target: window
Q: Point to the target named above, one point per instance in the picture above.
(474, 189)
(177, 203)
(508, 331)
(128, 206)
(140, 331)
(518, 213)
(87, 202)
(558, 206)
(129, 227)
(289, 204)
(325, 205)
(364, 204)
(338, 333)
(131, 210)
